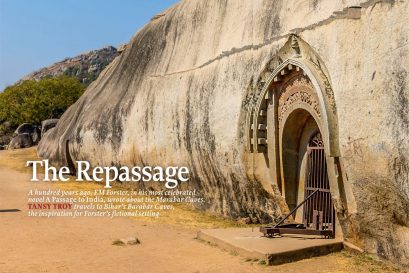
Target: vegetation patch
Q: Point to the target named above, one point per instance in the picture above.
(33, 101)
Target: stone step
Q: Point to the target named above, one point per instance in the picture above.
(250, 244)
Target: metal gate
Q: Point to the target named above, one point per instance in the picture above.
(318, 214)
(318, 211)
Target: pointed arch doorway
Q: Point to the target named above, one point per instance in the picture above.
(293, 125)
(304, 175)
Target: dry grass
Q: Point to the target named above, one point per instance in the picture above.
(17, 159)
(362, 263)
(182, 215)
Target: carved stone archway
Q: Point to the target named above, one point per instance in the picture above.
(294, 92)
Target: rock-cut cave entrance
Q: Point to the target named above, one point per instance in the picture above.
(305, 176)
(293, 142)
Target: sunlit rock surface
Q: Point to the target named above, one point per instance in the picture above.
(176, 96)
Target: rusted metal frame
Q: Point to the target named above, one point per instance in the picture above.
(322, 186)
(314, 184)
(313, 189)
(307, 205)
(317, 183)
(318, 207)
(317, 197)
(294, 209)
(268, 231)
(318, 210)
(315, 148)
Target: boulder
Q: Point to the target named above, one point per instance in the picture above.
(5, 139)
(25, 128)
(21, 141)
(26, 135)
(47, 125)
(36, 135)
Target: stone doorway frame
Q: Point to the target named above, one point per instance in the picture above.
(264, 120)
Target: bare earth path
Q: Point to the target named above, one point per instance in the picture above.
(84, 244)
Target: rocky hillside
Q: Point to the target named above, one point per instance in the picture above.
(86, 67)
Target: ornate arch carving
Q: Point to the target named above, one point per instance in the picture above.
(274, 87)
(292, 91)
(299, 90)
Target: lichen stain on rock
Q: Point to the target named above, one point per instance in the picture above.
(388, 212)
(399, 164)
(272, 27)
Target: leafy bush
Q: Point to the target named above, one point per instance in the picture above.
(34, 101)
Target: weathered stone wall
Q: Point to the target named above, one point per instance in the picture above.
(368, 60)
(176, 96)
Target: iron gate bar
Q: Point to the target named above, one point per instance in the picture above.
(313, 189)
(270, 231)
(319, 213)
(294, 209)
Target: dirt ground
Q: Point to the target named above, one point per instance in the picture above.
(60, 244)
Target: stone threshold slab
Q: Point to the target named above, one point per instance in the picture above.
(250, 243)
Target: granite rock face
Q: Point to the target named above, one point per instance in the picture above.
(178, 94)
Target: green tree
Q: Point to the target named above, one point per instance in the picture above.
(34, 101)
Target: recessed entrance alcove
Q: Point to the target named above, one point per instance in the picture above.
(294, 125)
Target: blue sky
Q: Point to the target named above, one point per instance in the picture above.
(37, 33)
